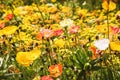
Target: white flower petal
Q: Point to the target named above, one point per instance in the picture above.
(66, 23)
(102, 44)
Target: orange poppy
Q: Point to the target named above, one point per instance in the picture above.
(2, 25)
(55, 70)
(95, 52)
(39, 36)
(9, 16)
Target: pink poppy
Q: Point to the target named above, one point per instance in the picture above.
(74, 29)
(58, 32)
(46, 78)
(115, 30)
(9, 16)
(47, 33)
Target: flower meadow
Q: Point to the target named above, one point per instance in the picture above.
(59, 40)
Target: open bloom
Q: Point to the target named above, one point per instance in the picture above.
(59, 43)
(47, 33)
(115, 30)
(23, 58)
(55, 70)
(95, 52)
(27, 58)
(2, 25)
(115, 45)
(102, 44)
(46, 78)
(9, 16)
(74, 29)
(66, 23)
(39, 36)
(58, 32)
(108, 6)
(9, 30)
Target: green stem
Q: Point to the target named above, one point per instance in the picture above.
(43, 20)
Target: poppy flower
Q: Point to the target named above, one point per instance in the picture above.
(66, 23)
(27, 58)
(95, 52)
(47, 33)
(108, 6)
(55, 70)
(9, 30)
(102, 44)
(115, 30)
(9, 16)
(39, 36)
(74, 29)
(58, 32)
(2, 25)
(46, 78)
(59, 43)
(115, 46)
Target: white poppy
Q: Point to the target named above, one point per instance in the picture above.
(66, 23)
(102, 44)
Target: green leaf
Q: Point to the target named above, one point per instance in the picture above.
(110, 74)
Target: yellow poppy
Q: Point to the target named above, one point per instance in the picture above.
(34, 54)
(27, 58)
(108, 6)
(9, 30)
(115, 46)
(60, 43)
(24, 58)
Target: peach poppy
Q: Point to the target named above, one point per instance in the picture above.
(74, 29)
(55, 70)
